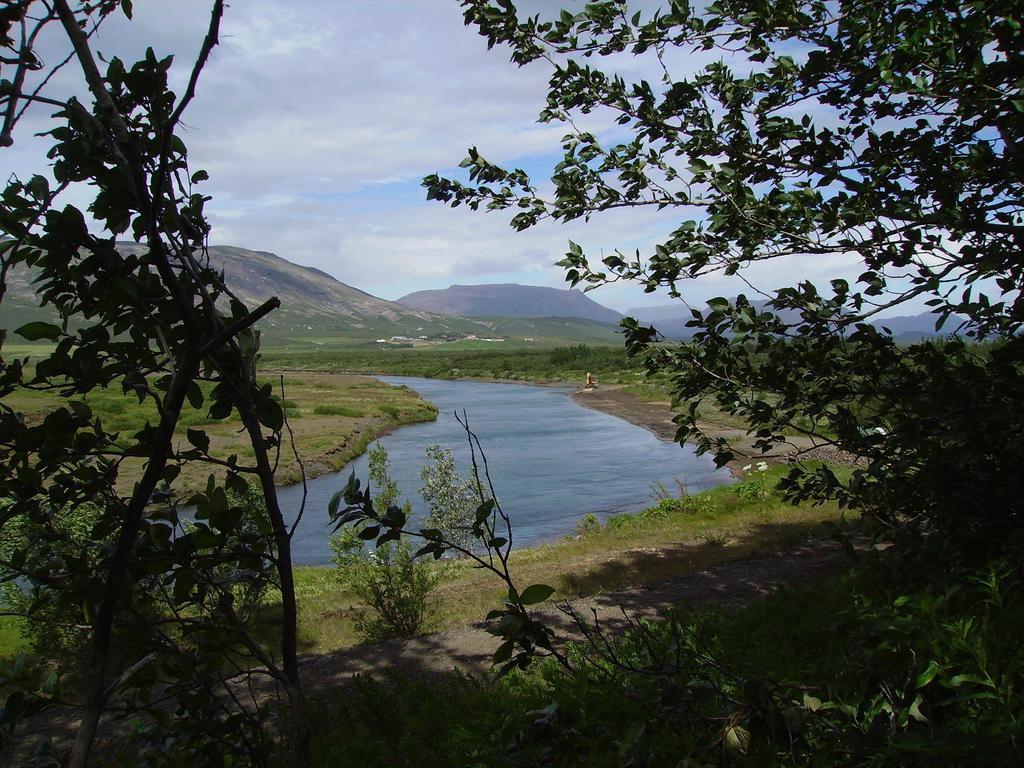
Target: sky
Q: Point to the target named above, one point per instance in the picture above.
(317, 120)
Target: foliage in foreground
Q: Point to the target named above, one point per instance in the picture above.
(153, 593)
(892, 671)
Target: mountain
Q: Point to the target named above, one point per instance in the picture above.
(916, 327)
(257, 275)
(510, 300)
(671, 319)
(317, 310)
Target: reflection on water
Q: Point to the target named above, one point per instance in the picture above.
(551, 459)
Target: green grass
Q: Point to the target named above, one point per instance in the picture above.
(316, 332)
(334, 418)
(455, 721)
(338, 410)
(562, 363)
(11, 638)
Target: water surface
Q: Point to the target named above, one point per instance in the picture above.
(552, 460)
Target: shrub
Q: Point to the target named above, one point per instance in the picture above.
(586, 525)
(452, 499)
(755, 486)
(48, 628)
(662, 509)
(667, 504)
(393, 587)
(697, 505)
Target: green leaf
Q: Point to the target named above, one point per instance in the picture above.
(195, 395)
(536, 593)
(199, 439)
(915, 710)
(933, 669)
(270, 413)
(735, 740)
(484, 511)
(39, 330)
(183, 584)
(332, 505)
(958, 680)
(504, 652)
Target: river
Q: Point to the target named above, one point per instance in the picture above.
(552, 461)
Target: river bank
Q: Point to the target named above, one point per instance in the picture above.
(332, 418)
(657, 417)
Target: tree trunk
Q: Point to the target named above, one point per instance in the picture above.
(289, 610)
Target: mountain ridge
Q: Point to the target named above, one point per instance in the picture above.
(317, 308)
(509, 300)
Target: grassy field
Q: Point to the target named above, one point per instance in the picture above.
(333, 416)
(307, 329)
(315, 332)
(563, 363)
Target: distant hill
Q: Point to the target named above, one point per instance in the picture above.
(317, 310)
(671, 319)
(257, 275)
(915, 327)
(510, 300)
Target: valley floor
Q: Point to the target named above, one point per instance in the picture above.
(722, 548)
